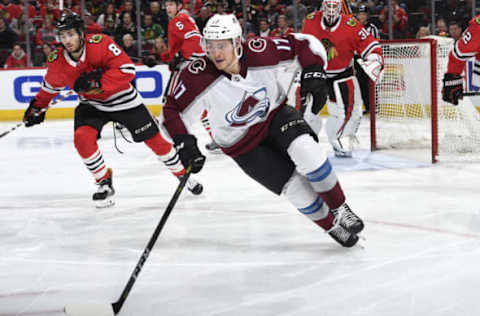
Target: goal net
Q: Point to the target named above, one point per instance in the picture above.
(411, 115)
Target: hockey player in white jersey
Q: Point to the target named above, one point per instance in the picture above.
(238, 85)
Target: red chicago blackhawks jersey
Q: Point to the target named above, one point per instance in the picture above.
(465, 48)
(183, 37)
(101, 52)
(342, 41)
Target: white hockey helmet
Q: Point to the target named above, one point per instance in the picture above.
(331, 10)
(221, 27)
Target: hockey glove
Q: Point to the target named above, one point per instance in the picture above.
(313, 81)
(373, 66)
(186, 145)
(452, 88)
(33, 115)
(150, 61)
(88, 82)
(174, 64)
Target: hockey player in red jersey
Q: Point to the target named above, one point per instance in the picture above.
(466, 47)
(101, 73)
(238, 84)
(342, 36)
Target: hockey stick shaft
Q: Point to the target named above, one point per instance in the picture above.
(117, 306)
(165, 93)
(11, 129)
(471, 94)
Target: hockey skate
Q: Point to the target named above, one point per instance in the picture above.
(348, 219)
(104, 195)
(213, 148)
(341, 235)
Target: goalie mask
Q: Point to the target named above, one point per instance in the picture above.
(221, 27)
(331, 10)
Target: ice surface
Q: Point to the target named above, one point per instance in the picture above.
(237, 249)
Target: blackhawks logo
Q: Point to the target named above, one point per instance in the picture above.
(330, 48)
(52, 56)
(310, 16)
(477, 19)
(352, 22)
(95, 39)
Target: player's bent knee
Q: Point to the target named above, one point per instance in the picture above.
(306, 153)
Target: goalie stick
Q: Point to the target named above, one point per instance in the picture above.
(60, 99)
(115, 307)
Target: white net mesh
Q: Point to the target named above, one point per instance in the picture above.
(404, 101)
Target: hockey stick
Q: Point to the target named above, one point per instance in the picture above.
(113, 308)
(470, 94)
(63, 97)
(165, 93)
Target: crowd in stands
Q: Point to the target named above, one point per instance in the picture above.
(118, 19)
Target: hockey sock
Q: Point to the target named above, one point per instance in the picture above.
(325, 182)
(85, 140)
(166, 153)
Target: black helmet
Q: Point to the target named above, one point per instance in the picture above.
(70, 21)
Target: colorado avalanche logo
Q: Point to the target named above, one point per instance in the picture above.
(252, 106)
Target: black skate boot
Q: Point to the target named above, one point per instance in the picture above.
(104, 195)
(341, 235)
(348, 219)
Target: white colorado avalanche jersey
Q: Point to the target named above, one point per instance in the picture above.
(240, 107)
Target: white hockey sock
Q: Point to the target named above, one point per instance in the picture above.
(96, 165)
(172, 161)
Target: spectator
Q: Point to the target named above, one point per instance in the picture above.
(263, 28)
(95, 7)
(301, 13)
(7, 36)
(109, 13)
(128, 47)
(150, 30)
(47, 33)
(41, 59)
(203, 17)
(250, 29)
(128, 8)
(159, 16)
(17, 58)
(126, 27)
(90, 26)
(109, 28)
(272, 10)
(70, 6)
(18, 26)
(283, 28)
(400, 19)
(50, 9)
(32, 12)
(158, 48)
(455, 29)
(441, 28)
(221, 8)
(422, 32)
(12, 10)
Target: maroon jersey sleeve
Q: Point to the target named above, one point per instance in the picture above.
(188, 86)
(466, 47)
(271, 51)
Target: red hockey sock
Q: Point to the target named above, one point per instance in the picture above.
(85, 140)
(334, 197)
(327, 222)
(159, 145)
(166, 153)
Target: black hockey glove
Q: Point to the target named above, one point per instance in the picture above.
(174, 64)
(150, 61)
(33, 114)
(186, 145)
(313, 81)
(88, 81)
(452, 88)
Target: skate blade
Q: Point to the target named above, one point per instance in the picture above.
(104, 204)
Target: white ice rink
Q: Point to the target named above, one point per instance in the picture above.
(237, 249)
